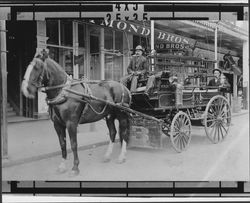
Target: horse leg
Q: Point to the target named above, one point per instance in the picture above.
(124, 135)
(110, 121)
(72, 130)
(60, 129)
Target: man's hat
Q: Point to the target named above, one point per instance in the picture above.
(217, 69)
(139, 47)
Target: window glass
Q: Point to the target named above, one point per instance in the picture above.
(66, 33)
(81, 35)
(80, 61)
(108, 39)
(136, 41)
(64, 57)
(94, 44)
(54, 53)
(113, 67)
(119, 41)
(52, 31)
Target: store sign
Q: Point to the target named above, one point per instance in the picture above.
(167, 46)
(146, 32)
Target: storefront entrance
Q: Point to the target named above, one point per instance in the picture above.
(66, 44)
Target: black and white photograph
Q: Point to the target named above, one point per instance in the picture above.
(124, 93)
(126, 100)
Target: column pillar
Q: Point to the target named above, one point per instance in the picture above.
(216, 47)
(3, 90)
(245, 65)
(102, 54)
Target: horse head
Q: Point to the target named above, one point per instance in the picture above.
(35, 76)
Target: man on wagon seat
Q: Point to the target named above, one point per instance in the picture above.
(216, 80)
(219, 80)
(138, 65)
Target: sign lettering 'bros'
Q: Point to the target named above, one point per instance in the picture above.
(145, 31)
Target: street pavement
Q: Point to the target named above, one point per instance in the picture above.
(34, 155)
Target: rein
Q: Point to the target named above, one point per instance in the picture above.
(44, 89)
(65, 88)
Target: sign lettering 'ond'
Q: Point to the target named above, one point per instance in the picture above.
(145, 31)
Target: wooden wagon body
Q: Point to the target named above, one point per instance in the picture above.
(190, 101)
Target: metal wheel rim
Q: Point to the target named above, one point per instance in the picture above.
(180, 133)
(217, 119)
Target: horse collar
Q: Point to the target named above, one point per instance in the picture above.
(62, 96)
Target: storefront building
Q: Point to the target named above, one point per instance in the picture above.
(99, 50)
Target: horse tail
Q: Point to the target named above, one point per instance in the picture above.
(126, 96)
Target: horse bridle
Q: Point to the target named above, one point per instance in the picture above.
(38, 83)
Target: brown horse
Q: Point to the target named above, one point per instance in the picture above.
(67, 110)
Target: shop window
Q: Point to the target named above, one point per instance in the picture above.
(113, 43)
(119, 41)
(143, 41)
(108, 36)
(94, 44)
(52, 31)
(80, 61)
(81, 35)
(113, 67)
(64, 57)
(66, 33)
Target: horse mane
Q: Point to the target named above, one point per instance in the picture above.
(56, 73)
(55, 65)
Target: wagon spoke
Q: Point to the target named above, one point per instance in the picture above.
(176, 135)
(212, 125)
(223, 127)
(222, 104)
(186, 122)
(212, 129)
(177, 140)
(215, 132)
(178, 130)
(182, 143)
(222, 134)
(217, 106)
(218, 136)
(186, 138)
(212, 110)
(181, 121)
(210, 120)
(211, 115)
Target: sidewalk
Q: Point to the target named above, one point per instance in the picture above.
(31, 140)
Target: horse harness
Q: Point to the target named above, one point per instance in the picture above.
(64, 95)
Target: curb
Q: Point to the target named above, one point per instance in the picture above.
(6, 163)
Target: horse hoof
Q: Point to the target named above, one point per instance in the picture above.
(61, 170)
(106, 159)
(74, 173)
(121, 160)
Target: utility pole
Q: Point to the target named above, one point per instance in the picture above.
(3, 90)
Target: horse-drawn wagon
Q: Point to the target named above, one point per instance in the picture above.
(179, 98)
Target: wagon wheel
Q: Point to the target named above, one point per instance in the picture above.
(180, 133)
(217, 118)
